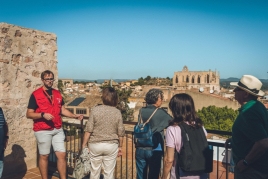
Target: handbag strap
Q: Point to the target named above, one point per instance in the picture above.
(140, 118)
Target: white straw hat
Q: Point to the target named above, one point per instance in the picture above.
(250, 84)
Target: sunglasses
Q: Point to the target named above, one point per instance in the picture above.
(49, 79)
(238, 89)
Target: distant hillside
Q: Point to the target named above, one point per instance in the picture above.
(226, 82)
(102, 80)
(233, 79)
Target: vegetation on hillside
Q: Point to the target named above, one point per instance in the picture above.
(154, 81)
(226, 83)
(127, 113)
(218, 118)
(60, 87)
(85, 82)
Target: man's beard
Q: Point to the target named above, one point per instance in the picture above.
(48, 87)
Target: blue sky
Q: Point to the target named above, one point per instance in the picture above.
(131, 39)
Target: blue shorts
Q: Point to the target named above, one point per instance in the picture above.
(47, 137)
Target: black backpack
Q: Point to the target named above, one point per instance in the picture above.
(195, 155)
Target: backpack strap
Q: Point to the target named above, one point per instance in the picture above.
(184, 131)
(140, 118)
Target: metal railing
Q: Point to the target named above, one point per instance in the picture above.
(126, 164)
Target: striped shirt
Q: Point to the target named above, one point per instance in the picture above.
(2, 118)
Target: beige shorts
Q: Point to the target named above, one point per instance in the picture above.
(47, 137)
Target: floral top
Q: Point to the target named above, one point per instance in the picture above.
(105, 125)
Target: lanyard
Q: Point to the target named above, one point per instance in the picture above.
(49, 97)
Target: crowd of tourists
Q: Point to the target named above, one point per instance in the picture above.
(182, 136)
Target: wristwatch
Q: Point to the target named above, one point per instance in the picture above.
(42, 114)
(245, 162)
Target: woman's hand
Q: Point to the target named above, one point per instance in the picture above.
(120, 153)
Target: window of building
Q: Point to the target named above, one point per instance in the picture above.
(193, 79)
(81, 111)
(177, 79)
(198, 79)
(207, 78)
(187, 79)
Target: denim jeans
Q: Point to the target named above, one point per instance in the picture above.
(147, 158)
(1, 167)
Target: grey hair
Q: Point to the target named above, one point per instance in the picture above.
(152, 96)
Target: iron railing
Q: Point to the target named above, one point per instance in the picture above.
(126, 164)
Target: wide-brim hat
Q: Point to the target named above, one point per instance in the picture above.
(250, 84)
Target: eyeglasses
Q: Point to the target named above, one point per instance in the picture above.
(49, 79)
(237, 89)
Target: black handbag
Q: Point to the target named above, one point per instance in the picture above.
(143, 135)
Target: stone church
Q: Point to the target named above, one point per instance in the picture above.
(201, 80)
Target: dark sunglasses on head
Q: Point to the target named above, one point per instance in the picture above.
(49, 79)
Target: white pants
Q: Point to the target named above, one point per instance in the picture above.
(103, 155)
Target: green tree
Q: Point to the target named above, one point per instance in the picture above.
(140, 81)
(148, 78)
(218, 118)
(122, 106)
(60, 87)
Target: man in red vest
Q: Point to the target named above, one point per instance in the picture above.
(45, 108)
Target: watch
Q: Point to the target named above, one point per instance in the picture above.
(42, 114)
(245, 163)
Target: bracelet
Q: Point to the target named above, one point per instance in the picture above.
(42, 114)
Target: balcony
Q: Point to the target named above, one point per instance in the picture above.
(125, 167)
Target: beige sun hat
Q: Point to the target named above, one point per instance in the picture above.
(250, 84)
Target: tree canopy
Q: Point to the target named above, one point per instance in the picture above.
(218, 118)
(122, 106)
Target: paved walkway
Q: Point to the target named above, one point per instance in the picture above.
(35, 174)
(30, 174)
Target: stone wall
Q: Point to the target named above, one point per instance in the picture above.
(204, 100)
(24, 54)
(200, 99)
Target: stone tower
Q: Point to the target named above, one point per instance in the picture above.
(24, 54)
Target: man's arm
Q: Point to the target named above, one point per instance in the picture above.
(32, 114)
(67, 113)
(258, 149)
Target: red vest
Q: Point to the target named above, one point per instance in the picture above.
(44, 105)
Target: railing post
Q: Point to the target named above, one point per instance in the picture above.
(82, 132)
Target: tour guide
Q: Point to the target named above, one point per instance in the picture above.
(250, 131)
(45, 108)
